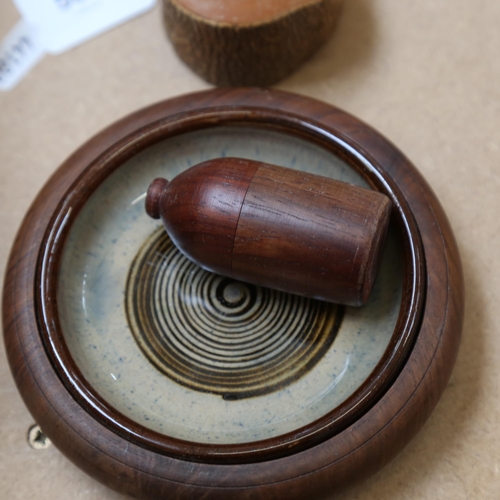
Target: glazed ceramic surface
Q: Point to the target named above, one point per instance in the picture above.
(190, 354)
(160, 345)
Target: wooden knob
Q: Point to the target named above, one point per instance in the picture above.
(276, 227)
(244, 42)
(153, 197)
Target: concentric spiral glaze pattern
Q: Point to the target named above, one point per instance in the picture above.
(218, 335)
(110, 237)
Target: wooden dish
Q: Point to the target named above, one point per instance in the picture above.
(96, 390)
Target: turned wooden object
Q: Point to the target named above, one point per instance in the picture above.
(276, 227)
(349, 443)
(244, 42)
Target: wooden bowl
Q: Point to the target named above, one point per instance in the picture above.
(95, 293)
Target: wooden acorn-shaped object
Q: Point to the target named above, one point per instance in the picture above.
(276, 227)
(244, 42)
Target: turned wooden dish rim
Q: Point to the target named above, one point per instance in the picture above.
(318, 431)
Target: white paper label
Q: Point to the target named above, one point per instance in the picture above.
(20, 50)
(64, 24)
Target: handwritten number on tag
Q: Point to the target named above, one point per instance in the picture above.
(19, 52)
(14, 55)
(68, 4)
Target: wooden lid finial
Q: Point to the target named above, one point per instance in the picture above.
(153, 198)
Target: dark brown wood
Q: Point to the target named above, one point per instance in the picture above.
(310, 235)
(276, 227)
(372, 438)
(200, 209)
(245, 42)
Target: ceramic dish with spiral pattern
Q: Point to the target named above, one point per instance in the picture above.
(195, 356)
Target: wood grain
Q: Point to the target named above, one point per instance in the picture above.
(310, 235)
(276, 227)
(369, 441)
(247, 43)
(242, 12)
(200, 209)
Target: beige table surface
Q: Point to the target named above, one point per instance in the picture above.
(427, 75)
